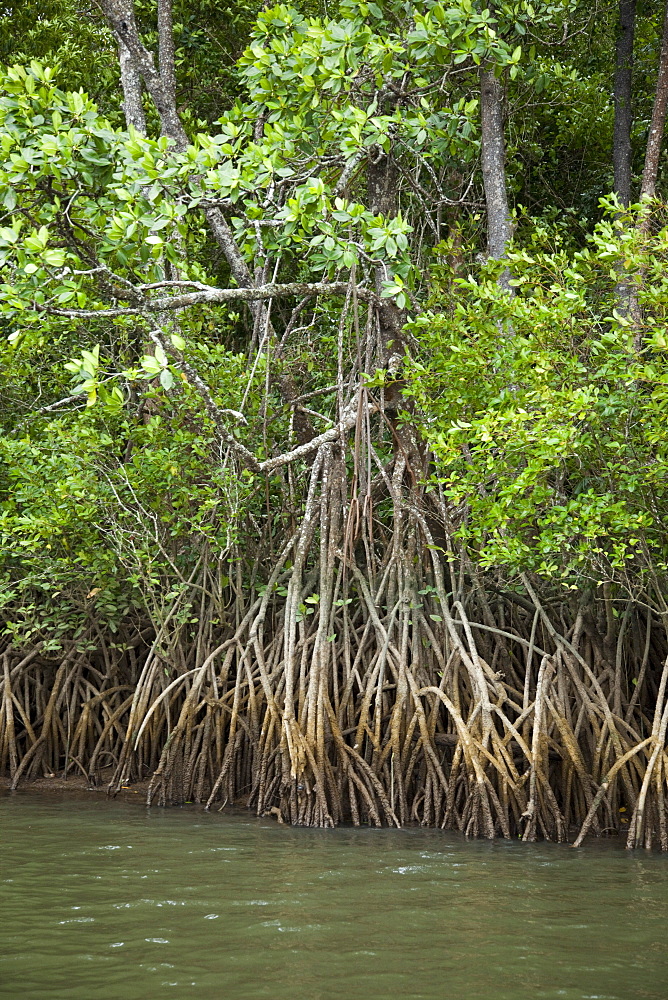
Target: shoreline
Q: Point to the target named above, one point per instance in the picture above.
(77, 786)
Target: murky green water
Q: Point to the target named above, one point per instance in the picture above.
(106, 900)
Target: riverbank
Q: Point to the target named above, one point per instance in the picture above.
(75, 785)
(79, 789)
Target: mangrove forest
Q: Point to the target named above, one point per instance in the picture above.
(334, 409)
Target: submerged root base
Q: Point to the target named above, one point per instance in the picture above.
(368, 682)
(392, 709)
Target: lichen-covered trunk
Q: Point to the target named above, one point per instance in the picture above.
(499, 224)
(131, 81)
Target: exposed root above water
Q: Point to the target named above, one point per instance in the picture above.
(371, 680)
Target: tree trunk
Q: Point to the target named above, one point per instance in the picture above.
(120, 15)
(499, 227)
(166, 48)
(621, 148)
(632, 308)
(131, 79)
(651, 169)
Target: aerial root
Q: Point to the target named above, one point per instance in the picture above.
(358, 686)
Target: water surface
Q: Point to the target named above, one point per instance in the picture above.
(107, 900)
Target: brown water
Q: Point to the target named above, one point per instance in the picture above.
(110, 901)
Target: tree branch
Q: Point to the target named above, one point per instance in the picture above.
(215, 413)
(119, 14)
(212, 296)
(348, 417)
(347, 422)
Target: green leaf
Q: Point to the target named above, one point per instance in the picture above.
(160, 356)
(151, 365)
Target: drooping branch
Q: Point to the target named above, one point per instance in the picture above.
(247, 457)
(348, 419)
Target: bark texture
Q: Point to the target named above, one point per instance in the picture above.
(631, 307)
(120, 15)
(166, 48)
(621, 150)
(499, 226)
(653, 151)
(131, 81)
